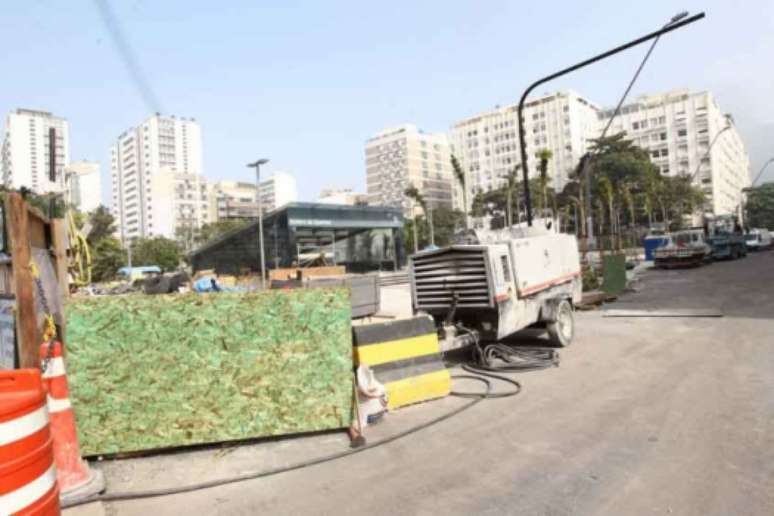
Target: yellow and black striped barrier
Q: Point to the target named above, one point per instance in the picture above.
(405, 356)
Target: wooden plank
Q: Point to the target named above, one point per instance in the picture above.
(36, 229)
(59, 238)
(28, 339)
(307, 272)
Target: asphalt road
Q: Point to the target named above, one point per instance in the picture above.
(643, 416)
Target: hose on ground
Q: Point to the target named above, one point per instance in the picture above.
(475, 399)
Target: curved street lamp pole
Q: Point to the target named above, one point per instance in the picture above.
(760, 172)
(524, 166)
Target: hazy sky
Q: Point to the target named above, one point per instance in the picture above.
(306, 83)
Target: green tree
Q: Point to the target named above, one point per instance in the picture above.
(759, 208)
(414, 194)
(459, 174)
(219, 228)
(103, 225)
(544, 156)
(108, 257)
(156, 251)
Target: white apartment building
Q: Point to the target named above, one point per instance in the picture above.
(83, 185)
(678, 128)
(24, 159)
(343, 196)
(278, 190)
(404, 156)
(145, 205)
(177, 200)
(233, 199)
(487, 145)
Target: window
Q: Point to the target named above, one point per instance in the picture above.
(663, 136)
(635, 126)
(682, 132)
(506, 269)
(644, 124)
(664, 152)
(662, 120)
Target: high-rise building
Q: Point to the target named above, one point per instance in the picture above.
(25, 151)
(233, 200)
(688, 135)
(83, 185)
(278, 190)
(145, 205)
(487, 144)
(399, 158)
(344, 196)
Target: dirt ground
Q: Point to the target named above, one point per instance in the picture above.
(643, 416)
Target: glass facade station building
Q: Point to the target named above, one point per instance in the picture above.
(361, 238)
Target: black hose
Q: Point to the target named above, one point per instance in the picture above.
(503, 358)
(150, 493)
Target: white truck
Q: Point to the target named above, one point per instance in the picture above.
(495, 283)
(758, 239)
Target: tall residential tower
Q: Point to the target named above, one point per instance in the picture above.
(688, 135)
(157, 178)
(405, 156)
(24, 159)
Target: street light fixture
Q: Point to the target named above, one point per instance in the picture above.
(259, 201)
(760, 172)
(672, 25)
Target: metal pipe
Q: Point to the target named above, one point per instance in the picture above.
(525, 168)
(257, 166)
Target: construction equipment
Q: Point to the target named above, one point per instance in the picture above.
(79, 264)
(493, 283)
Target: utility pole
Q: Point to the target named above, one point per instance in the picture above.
(259, 202)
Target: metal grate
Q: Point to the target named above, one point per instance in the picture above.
(439, 276)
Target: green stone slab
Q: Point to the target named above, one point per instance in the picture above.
(149, 372)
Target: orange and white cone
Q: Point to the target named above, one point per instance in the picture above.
(76, 480)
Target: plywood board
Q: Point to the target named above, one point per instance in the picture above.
(150, 372)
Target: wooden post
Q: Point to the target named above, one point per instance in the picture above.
(59, 241)
(27, 337)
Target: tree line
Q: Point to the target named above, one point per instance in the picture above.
(627, 191)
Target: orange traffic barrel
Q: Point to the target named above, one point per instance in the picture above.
(27, 472)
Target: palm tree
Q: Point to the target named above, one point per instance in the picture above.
(544, 155)
(608, 193)
(511, 187)
(413, 193)
(459, 174)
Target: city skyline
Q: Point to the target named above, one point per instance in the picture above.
(317, 129)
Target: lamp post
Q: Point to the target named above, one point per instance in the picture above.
(709, 149)
(257, 166)
(524, 166)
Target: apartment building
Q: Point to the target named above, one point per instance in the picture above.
(404, 156)
(278, 190)
(688, 135)
(83, 185)
(157, 178)
(233, 200)
(342, 196)
(24, 159)
(487, 144)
